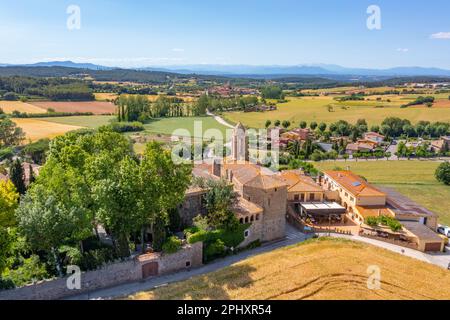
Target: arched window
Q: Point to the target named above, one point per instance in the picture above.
(241, 220)
(252, 218)
(257, 217)
(246, 219)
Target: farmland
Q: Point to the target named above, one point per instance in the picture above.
(169, 125)
(92, 122)
(36, 129)
(95, 107)
(414, 179)
(317, 269)
(326, 109)
(9, 106)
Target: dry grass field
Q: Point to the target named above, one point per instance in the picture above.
(100, 96)
(96, 107)
(317, 269)
(10, 106)
(36, 129)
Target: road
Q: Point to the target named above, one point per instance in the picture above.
(293, 236)
(438, 259)
(219, 119)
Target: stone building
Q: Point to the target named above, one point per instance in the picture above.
(261, 193)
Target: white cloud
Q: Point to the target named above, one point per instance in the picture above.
(402, 49)
(441, 35)
(178, 50)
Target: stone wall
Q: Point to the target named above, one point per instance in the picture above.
(190, 256)
(192, 206)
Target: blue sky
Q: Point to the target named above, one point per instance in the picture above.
(258, 32)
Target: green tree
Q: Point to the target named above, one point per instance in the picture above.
(163, 186)
(286, 124)
(268, 124)
(17, 176)
(303, 124)
(322, 127)
(443, 173)
(8, 204)
(10, 134)
(313, 125)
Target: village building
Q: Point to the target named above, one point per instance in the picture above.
(441, 145)
(363, 201)
(374, 136)
(261, 195)
(361, 146)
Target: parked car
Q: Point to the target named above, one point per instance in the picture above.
(444, 230)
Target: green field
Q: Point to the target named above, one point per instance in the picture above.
(414, 179)
(316, 109)
(169, 125)
(82, 121)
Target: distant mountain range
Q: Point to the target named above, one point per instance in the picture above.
(333, 71)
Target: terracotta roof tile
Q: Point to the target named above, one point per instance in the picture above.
(353, 183)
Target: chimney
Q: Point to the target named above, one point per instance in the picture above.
(216, 168)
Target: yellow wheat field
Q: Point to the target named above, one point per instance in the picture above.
(10, 106)
(319, 269)
(36, 129)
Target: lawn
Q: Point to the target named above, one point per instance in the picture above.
(316, 109)
(82, 121)
(414, 179)
(169, 125)
(317, 269)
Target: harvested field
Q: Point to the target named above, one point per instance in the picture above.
(36, 129)
(10, 106)
(329, 269)
(100, 96)
(96, 107)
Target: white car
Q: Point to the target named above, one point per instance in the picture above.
(444, 230)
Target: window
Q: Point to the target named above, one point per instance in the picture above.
(188, 264)
(257, 217)
(241, 220)
(276, 189)
(246, 233)
(246, 219)
(303, 198)
(252, 218)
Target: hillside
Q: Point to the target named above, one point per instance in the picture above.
(317, 269)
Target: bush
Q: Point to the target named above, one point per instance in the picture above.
(215, 250)
(172, 245)
(443, 173)
(122, 127)
(10, 96)
(31, 270)
(6, 153)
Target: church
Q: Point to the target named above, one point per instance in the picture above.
(261, 193)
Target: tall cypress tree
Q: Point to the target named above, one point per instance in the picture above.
(17, 176)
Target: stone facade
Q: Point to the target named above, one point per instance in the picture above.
(190, 256)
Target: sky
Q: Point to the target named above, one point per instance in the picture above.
(136, 33)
